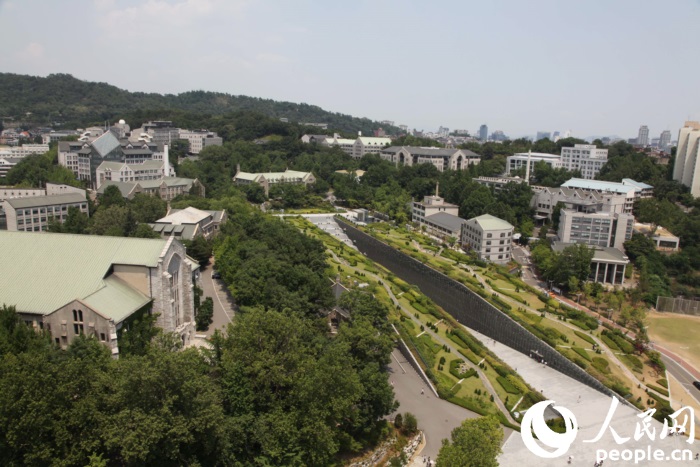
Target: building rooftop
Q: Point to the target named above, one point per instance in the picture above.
(375, 141)
(599, 185)
(641, 185)
(600, 254)
(446, 221)
(538, 155)
(42, 272)
(36, 201)
(188, 215)
(124, 187)
(489, 222)
(106, 144)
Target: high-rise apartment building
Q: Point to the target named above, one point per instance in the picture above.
(543, 135)
(643, 136)
(483, 132)
(665, 140)
(686, 170)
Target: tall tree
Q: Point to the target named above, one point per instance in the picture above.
(476, 443)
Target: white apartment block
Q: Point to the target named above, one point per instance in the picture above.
(489, 236)
(586, 158)
(603, 229)
(520, 159)
(686, 169)
(442, 158)
(33, 214)
(200, 139)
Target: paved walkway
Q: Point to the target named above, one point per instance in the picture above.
(590, 408)
(436, 417)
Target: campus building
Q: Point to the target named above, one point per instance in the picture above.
(489, 236)
(442, 158)
(607, 266)
(265, 180)
(521, 159)
(33, 214)
(189, 223)
(97, 285)
(165, 188)
(604, 229)
(431, 205)
(586, 158)
(545, 200)
(630, 191)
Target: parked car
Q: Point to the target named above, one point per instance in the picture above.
(696, 384)
(216, 275)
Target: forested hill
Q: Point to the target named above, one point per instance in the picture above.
(63, 98)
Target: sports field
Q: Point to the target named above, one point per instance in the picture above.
(678, 333)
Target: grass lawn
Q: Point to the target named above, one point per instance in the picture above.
(677, 333)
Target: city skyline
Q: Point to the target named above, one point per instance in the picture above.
(551, 66)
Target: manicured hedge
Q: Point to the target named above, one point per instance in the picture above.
(510, 389)
(582, 353)
(454, 369)
(470, 356)
(585, 337)
(601, 365)
(663, 382)
(580, 324)
(633, 361)
(658, 389)
(419, 307)
(609, 342)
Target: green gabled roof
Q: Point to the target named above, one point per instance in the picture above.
(41, 272)
(489, 222)
(118, 298)
(124, 187)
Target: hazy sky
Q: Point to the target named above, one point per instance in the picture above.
(597, 67)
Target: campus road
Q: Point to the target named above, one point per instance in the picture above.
(224, 306)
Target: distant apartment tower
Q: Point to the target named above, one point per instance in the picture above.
(556, 136)
(584, 157)
(483, 132)
(665, 140)
(643, 136)
(498, 135)
(543, 135)
(687, 170)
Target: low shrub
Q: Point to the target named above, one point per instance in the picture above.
(658, 389)
(454, 370)
(663, 382)
(582, 353)
(585, 337)
(633, 361)
(601, 365)
(609, 342)
(509, 388)
(582, 324)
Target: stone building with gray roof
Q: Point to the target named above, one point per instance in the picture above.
(33, 214)
(97, 286)
(442, 158)
(272, 178)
